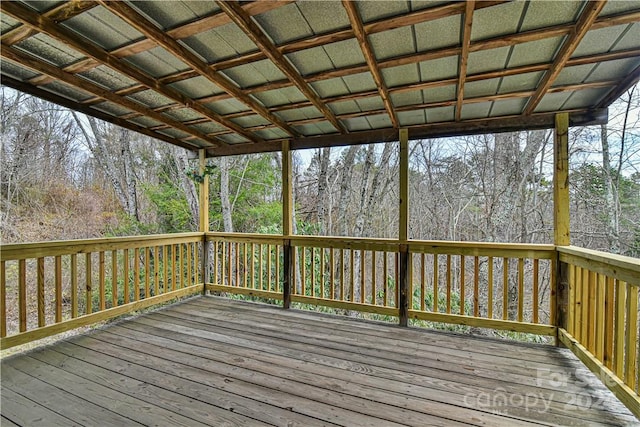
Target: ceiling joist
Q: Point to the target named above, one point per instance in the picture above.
(464, 55)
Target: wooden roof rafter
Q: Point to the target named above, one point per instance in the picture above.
(464, 55)
(46, 26)
(588, 16)
(139, 22)
(367, 51)
(257, 36)
(40, 66)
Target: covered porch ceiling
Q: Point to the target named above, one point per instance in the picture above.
(238, 78)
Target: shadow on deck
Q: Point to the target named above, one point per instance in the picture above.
(212, 361)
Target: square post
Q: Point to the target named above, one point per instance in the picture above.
(203, 217)
(561, 235)
(287, 224)
(403, 232)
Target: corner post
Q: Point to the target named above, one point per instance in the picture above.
(403, 232)
(203, 217)
(287, 224)
(561, 236)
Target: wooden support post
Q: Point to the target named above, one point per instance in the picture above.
(287, 224)
(204, 218)
(561, 215)
(403, 232)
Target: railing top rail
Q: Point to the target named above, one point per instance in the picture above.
(62, 247)
(624, 267)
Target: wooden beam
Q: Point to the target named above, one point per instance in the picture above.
(39, 66)
(588, 16)
(203, 195)
(140, 23)
(46, 26)
(561, 181)
(56, 99)
(372, 62)
(59, 13)
(464, 55)
(255, 33)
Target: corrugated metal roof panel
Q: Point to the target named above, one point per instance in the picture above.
(401, 76)
(479, 110)
(208, 127)
(226, 106)
(600, 40)
(318, 128)
(108, 78)
(630, 38)
(220, 43)
(183, 114)
(370, 103)
(324, 16)
(233, 138)
(197, 87)
(552, 101)
(360, 82)
(103, 28)
(374, 10)
(250, 121)
(584, 98)
(111, 108)
(534, 52)
(481, 88)
(574, 75)
(507, 14)
(255, 73)
(41, 5)
(548, 13)
(436, 34)
(145, 121)
(311, 61)
(49, 49)
(439, 69)
(392, 43)
(17, 72)
(357, 124)
(299, 114)
(274, 133)
(284, 24)
(406, 98)
(170, 14)
(7, 23)
(157, 62)
(508, 107)
(379, 121)
(67, 91)
(151, 99)
(520, 82)
(344, 107)
(440, 114)
(487, 60)
(618, 6)
(276, 97)
(613, 70)
(344, 53)
(330, 87)
(437, 94)
(409, 118)
(174, 133)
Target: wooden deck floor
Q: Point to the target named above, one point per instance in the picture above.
(210, 361)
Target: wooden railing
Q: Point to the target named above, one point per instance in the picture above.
(52, 287)
(601, 323)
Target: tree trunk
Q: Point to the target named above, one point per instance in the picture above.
(224, 195)
(611, 211)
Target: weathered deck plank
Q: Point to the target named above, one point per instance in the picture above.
(209, 361)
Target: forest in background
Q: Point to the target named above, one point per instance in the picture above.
(67, 176)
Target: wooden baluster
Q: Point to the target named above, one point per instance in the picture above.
(448, 284)
(101, 280)
(58, 284)
(114, 278)
(136, 274)
(535, 286)
(313, 272)
(88, 289)
(590, 317)
(156, 270)
(236, 261)
(245, 265)
(352, 274)
(260, 267)
(397, 280)
(182, 265)
(618, 352)
(490, 288)
(303, 270)
(216, 261)
(253, 265)
(585, 307)
(599, 317)
(373, 279)
(608, 321)
(332, 273)
(631, 336)
(578, 305)
(571, 321)
(385, 268)
(476, 285)
(322, 268)
(190, 265)
(436, 309)
(423, 291)
(505, 288)
(269, 260)
(223, 263)
(165, 267)
(22, 294)
(462, 272)
(294, 279)
(41, 313)
(342, 275)
(3, 299)
(147, 272)
(74, 286)
(553, 299)
(278, 281)
(520, 289)
(363, 286)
